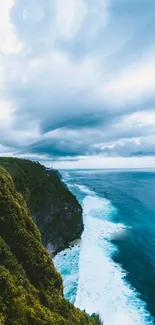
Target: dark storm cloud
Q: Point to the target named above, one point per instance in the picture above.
(58, 148)
(69, 147)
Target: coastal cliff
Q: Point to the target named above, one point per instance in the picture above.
(31, 290)
(54, 208)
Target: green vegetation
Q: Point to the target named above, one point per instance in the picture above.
(31, 290)
(54, 208)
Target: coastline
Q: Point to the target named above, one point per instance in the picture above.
(93, 280)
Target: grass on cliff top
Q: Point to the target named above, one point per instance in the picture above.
(25, 173)
(34, 180)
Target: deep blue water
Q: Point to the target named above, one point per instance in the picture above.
(112, 270)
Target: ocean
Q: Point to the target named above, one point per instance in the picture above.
(111, 270)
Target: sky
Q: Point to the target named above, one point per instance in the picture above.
(77, 82)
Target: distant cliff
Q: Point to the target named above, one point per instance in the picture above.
(54, 208)
(31, 290)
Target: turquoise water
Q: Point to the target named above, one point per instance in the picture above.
(111, 271)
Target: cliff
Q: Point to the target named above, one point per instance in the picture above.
(31, 290)
(54, 208)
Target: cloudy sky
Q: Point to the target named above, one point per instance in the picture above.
(77, 82)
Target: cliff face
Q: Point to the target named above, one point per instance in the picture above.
(54, 208)
(31, 290)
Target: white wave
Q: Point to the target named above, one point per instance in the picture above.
(66, 263)
(84, 189)
(102, 287)
(65, 177)
(98, 207)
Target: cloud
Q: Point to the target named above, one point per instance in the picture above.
(135, 83)
(70, 15)
(141, 146)
(119, 137)
(8, 41)
(77, 78)
(6, 111)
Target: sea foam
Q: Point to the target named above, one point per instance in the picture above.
(85, 189)
(67, 262)
(92, 280)
(102, 286)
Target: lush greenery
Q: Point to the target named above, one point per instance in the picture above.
(53, 207)
(31, 290)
